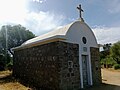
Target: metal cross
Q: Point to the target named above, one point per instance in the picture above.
(80, 10)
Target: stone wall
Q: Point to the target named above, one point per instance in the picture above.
(70, 75)
(96, 67)
(53, 66)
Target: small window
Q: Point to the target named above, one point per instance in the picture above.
(85, 49)
(70, 64)
(84, 40)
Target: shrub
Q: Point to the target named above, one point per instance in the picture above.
(117, 66)
(9, 66)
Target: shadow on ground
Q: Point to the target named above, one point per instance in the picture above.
(9, 78)
(104, 86)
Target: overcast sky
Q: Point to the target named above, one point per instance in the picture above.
(42, 16)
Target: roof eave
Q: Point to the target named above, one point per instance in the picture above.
(40, 42)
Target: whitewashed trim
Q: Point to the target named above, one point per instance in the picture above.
(81, 73)
(90, 68)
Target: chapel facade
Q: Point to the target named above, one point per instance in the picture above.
(63, 59)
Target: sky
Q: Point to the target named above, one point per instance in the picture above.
(42, 16)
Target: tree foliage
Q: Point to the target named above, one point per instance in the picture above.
(106, 51)
(108, 60)
(106, 47)
(111, 55)
(11, 36)
(105, 56)
(16, 35)
(115, 52)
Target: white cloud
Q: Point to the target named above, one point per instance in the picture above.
(12, 11)
(15, 12)
(40, 1)
(42, 22)
(107, 34)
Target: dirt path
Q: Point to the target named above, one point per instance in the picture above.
(111, 77)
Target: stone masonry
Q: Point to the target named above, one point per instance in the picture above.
(51, 66)
(96, 67)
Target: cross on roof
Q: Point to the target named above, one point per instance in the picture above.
(80, 10)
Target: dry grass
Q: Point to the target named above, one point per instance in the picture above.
(7, 82)
(111, 78)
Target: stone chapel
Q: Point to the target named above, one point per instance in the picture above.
(63, 59)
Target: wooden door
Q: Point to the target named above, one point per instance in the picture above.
(84, 70)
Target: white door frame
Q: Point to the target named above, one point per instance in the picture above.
(90, 82)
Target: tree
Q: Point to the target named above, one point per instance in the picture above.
(108, 62)
(2, 62)
(105, 58)
(106, 51)
(115, 52)
(106, 47)
(13, 36)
